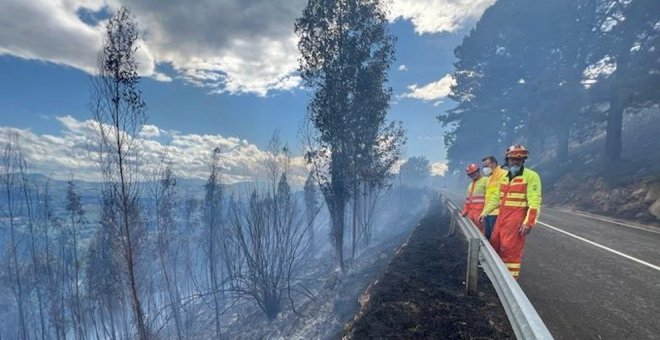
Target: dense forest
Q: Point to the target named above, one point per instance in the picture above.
(551, 74)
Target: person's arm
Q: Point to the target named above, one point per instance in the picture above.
(533, 200)
(464, 212)
(492, 199)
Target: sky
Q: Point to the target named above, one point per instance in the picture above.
(215, 73)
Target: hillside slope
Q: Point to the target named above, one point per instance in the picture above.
(627, 189)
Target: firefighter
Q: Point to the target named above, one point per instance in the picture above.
(494, 173)
(475, 199)
(518, 198)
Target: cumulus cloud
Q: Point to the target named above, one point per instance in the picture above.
(49, 30)
(403, 68)
(433, 16)
(53, 31)
(226, 46)
(439, 168)
(396, 167)
(150, 131)
(74, 151)
(432, 91)
(229, 46)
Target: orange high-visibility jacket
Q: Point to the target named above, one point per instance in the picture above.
(520, 192)
(475, 198)
(492, 186)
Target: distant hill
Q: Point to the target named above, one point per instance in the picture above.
(90, 192)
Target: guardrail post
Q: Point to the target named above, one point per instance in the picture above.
(472, 266)
(452, 223)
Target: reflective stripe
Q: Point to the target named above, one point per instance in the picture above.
(475, 199)
(518, 188)
(515, 204)
(514, 269)
(517, 195)
(522, 188)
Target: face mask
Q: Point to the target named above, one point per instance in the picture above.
(514, 169)
(487, 171)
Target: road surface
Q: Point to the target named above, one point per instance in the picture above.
(590, 277)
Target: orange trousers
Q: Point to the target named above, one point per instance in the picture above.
(473, 214)
(506, 238)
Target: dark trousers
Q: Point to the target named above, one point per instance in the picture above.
(489, 224)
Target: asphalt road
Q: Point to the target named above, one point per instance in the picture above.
(590, 277)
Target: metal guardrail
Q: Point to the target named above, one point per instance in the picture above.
(524, 319)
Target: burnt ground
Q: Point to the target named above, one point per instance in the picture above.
(421, 293)
(333, 298)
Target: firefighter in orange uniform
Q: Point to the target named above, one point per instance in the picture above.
(475, 199)
(519, 199)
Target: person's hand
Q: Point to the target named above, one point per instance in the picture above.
(482, 218)
(524, 229)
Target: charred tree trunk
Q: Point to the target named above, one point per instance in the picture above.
(338, 232)
(338, 211)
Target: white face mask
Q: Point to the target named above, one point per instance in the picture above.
(487, 171)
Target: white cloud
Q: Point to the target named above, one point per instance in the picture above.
(229, 46)
(231, 60)
(150, 131)
(225, 46)
(74, 151)
(49, 30)
(433, 16)
(432, 91)
(438, 169)
(396, 167)
(52, 31)
(403, 68)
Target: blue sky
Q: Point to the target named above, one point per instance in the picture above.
(236, 87)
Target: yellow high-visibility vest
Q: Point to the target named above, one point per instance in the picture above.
(475, 196)
(492, 185)
(520, 192)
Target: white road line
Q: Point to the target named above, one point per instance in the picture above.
(602, 247)
(609, 220)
